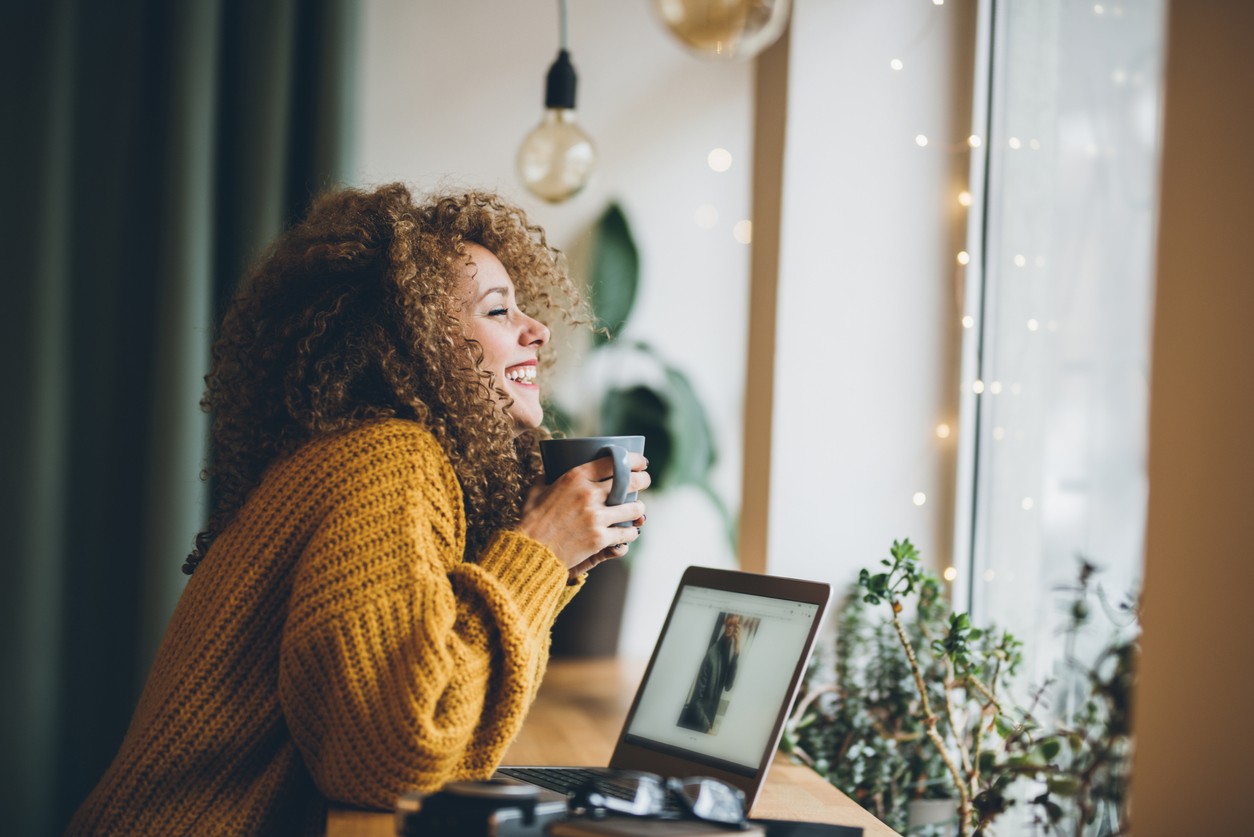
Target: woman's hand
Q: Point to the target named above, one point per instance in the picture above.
(571, 518)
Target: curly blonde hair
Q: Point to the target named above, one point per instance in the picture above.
(351, 316)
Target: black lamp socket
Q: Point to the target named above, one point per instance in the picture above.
(559, 90)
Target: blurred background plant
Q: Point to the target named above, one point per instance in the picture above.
(624, 387)
(627, 387)
(914, 704)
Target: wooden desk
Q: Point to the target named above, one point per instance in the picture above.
(576, 719)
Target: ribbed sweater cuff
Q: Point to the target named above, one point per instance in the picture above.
(531, 571)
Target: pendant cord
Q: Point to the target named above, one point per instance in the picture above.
(561, 23)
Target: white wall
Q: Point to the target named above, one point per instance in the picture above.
(448, 91)
(868, 309)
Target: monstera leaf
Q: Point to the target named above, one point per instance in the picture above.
(694, 438)
(666, 410)
(614, 273)
(641, 411)
(680, 446)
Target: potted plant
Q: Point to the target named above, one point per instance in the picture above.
(921, 704)
(627, 387)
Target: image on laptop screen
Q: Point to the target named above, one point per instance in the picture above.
(721, 676)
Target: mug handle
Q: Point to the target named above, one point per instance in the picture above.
(622, 473)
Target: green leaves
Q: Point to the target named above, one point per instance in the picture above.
(876, 586)
(1080, 758)
(903, 576)
(1063, 785)
(641, 411)
(669, 413)
(614, 273)
(694, 439)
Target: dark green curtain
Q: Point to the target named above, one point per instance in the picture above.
(150, 150)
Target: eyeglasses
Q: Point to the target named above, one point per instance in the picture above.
(650, 795)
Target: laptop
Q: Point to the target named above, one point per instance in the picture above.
(720, 683)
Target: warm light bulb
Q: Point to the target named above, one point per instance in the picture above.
(555, 160)
(724, 29)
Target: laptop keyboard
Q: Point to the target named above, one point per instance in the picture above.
(567, 779)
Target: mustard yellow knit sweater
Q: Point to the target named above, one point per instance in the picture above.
(334, 645)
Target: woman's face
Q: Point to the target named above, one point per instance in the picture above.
(509, 338)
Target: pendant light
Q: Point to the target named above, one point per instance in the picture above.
(555, 160)
(725, 29)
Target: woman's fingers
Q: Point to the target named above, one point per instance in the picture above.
(617, 550)
(572, 518)
(625, 513)
(599, 479)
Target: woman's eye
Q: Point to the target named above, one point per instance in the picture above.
(498, 312)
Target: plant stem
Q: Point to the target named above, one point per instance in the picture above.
(964, 796)
(985, 692)
(953, 727)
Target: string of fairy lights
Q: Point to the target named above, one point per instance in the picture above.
(707, 216)
(944, 430)
(976, 386)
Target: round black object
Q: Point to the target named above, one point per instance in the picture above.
(503, 790)
(477, 809)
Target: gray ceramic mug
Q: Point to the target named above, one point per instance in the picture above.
(560, 455)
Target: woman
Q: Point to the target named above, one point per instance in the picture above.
(371, 601)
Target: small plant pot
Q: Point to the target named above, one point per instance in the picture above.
(932, 812)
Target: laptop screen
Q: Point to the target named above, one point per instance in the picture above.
(721, 676)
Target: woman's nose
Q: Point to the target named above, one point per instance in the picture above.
(536, 333)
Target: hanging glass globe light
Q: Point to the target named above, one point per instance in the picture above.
(725, 29)
(556, 158)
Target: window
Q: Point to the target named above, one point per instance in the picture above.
(1059, 295)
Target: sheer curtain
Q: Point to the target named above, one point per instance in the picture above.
(1059, 298)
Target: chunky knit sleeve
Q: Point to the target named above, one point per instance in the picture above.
(402, 666)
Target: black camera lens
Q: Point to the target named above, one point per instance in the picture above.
(497, 807)
(505, 790)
